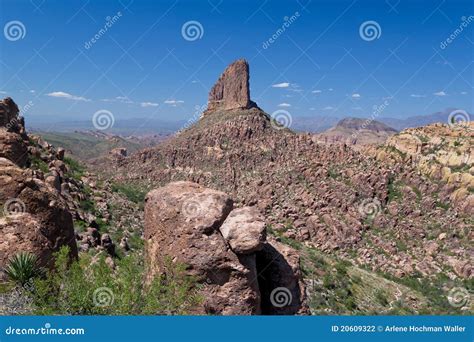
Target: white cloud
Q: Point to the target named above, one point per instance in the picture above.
(3, 92)
(357, 108)
(32, 91)
(281, 85)
(417, 96)
(62, 94)
(312, 108)
(328, 108)
(122, 99)
(330, 89)
(463, 92)
(356, 96)
(173, 102)
(440, 93)
(317, 91)
(284, 104)
(148, 104)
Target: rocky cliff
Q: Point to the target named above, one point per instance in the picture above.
(34, 217)
(232, 90)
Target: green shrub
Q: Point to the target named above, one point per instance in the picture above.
(39, 164)
(22, 268)
(89, 287)
(75, 169)
(133, 193)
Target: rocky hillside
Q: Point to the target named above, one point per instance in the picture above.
(443, 153)
(356, 132)
(344, 211)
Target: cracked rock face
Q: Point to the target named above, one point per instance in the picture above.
(231, 90)
(195, 225)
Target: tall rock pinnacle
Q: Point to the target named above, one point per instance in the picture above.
(231, 90)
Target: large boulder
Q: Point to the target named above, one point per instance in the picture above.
(9, 117)
(231, 90)
(47, 223)
(12, 133)
(244, 230)
(224, 249)
(181, 222)
(13, 147)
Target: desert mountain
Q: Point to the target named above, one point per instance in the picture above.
(355, 131)
(265, 220)
(328, 199)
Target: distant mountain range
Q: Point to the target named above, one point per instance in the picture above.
(146, 126)
(322, 123)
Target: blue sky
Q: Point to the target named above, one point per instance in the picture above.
(143, 66)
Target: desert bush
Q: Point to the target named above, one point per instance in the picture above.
(23, 267)
(135, 194)
(75, 169)
(89, 287)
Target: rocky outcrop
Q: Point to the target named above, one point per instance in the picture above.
(231, 90)
(30, 201)
(34, 217)
(184, 221)
(12, 135)
(443, 152)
